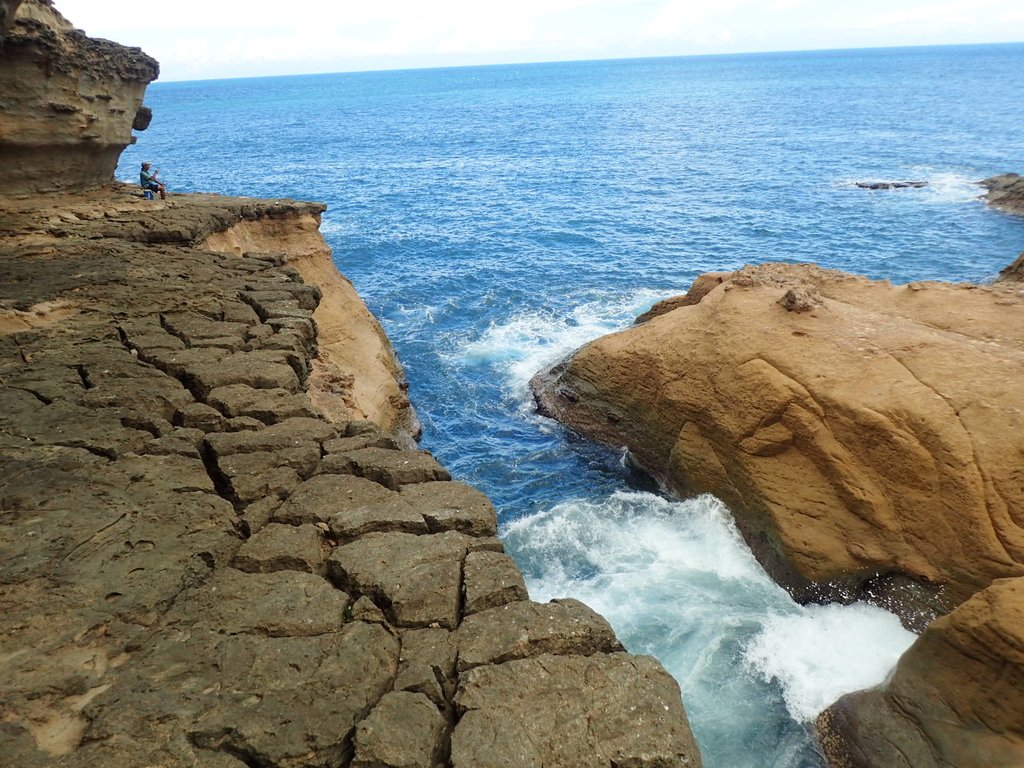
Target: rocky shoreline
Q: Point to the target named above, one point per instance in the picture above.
(200, 568)
(868, 439)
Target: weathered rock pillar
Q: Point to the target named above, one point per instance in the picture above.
(67, 101)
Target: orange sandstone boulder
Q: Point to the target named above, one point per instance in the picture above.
(868, 437)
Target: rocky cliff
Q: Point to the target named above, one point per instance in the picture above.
(350, 341)
(199, 568)
(867, 436)
(67, 101)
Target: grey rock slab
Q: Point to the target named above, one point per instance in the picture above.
(416, 579)
(306, 328)
(319, 498)
(523, 629)
(453, 506)
(243, 424)
(393, 514)
(427, 664)
(258, 333)
(392, 468)
(141, 336)
(251, 476)
(404, 730)
(174, 362)
(289, 433)
(306, 296)
(258, 513)
(171, 473)
(278, 604)
(491, 579)
(572, 711)
(176, 445)
(278, 547)
(239, 312)
(159, 396)
(268, 701)
(200, 416)
(191, 327)
(301, 702)
(376, 439)
(74, 426)
(268, 405)
(289, 341)
(364, 609)
(259, 369)
(228, 343)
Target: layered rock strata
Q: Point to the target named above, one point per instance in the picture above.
(868, 437)
(197, 568)
(67, 101)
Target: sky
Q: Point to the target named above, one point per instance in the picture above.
(200, 39)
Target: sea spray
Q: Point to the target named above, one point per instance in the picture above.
(824, 651)
(527, 341)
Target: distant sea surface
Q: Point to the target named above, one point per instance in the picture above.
(495, 218)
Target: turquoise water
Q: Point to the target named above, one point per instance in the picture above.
(495, 218)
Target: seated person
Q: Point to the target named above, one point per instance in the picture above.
(149, 181)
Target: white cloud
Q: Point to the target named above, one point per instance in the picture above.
(211, 38)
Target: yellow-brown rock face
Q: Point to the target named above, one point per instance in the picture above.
(67, 101)
(955, 699)
(864, 434)
(356, 374)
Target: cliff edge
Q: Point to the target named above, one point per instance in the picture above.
(67, 101)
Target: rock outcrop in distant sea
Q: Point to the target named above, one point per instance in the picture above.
(1005, 191)
(891, 184)
(67, 101)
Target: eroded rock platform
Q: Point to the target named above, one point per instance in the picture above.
(198, 568)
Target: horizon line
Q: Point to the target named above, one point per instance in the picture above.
(542, 62)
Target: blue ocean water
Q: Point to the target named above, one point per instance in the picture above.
(495, 218)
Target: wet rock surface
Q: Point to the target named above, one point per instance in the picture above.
(955, 698)
(197, 568)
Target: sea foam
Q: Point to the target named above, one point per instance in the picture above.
(528, 341)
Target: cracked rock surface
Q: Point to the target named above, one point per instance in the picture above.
(199, 568)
